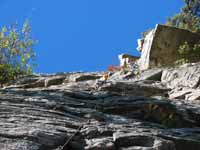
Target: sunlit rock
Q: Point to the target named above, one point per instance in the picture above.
(161, 44)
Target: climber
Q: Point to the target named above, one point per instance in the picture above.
(105, 76)
(103, 80)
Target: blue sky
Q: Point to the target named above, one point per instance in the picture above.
(85, 35)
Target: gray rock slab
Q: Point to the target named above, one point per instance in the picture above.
(118, 115)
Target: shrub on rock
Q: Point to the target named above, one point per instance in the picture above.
(16, 51)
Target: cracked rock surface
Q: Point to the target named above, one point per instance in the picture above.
(69, 111)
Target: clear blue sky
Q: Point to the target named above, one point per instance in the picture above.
(85, 35)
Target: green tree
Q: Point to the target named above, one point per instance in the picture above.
(188, 18)
(16, 50)
(188, 53)
(192, 7)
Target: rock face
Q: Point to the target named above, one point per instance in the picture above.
(184, 81)
(161, 44)
(144, 60)
(185, 76)
(70, 112)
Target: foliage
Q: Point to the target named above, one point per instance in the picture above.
(8, 73)
(16, 51)
(192, 6)
(188, 18)
(188, 53)
(185, 21)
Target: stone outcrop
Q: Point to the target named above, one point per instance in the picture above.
(185, 76)
(151, 74)
(146, 88)
(127, 59)
(184, 81)
(69, 112)
(154, 109)
(159, 47)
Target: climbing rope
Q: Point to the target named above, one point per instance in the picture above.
(64, 147)
(66, 144)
